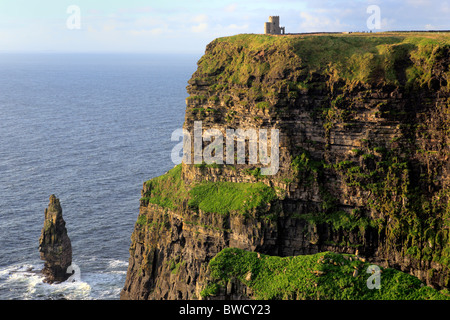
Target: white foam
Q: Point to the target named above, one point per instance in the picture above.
(76, 290)
(26, 282)
(117, 264)
(8, 271)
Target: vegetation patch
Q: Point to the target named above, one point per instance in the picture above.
(167, 191)
(321, 276)
(266, 70)
(175, 264)
(170, 191)
(227, 197)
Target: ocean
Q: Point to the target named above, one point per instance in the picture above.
(89, 128)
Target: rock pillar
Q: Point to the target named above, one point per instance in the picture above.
(54, 244)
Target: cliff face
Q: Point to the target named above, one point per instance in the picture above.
(364, 125)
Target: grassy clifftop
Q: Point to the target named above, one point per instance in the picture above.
(271, 64)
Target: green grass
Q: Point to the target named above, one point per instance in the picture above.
(169, 191)
(258, 62)
(322, 276)
(227, 197)
(263, 105)
(174, 265)
(339, 220)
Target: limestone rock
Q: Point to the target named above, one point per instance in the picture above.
(54, 244)
(369, 154)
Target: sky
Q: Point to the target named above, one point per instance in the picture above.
(187, 26)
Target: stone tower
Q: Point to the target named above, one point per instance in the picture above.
(273, 26)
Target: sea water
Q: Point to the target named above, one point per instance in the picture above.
(89, 128)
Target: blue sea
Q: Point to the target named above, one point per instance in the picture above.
(89, 128)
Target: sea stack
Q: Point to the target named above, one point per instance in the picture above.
(54, 244)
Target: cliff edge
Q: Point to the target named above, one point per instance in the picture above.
(363, 163)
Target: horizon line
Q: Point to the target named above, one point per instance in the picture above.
(97, 52)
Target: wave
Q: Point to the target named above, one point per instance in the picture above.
(117, 264)
(25, 282)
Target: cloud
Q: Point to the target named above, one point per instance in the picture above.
(135, 10)
(320, 22)
(200, 18)
(109, 26)
(417, 3)
(148, 21)
(150, 32)
(231, 8)
(220, 30)
(202, 27)
(445, 7)
(235, 27)
(388, 24)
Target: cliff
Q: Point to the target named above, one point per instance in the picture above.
(364, 124)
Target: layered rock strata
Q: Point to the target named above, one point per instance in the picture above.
(364, 124)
